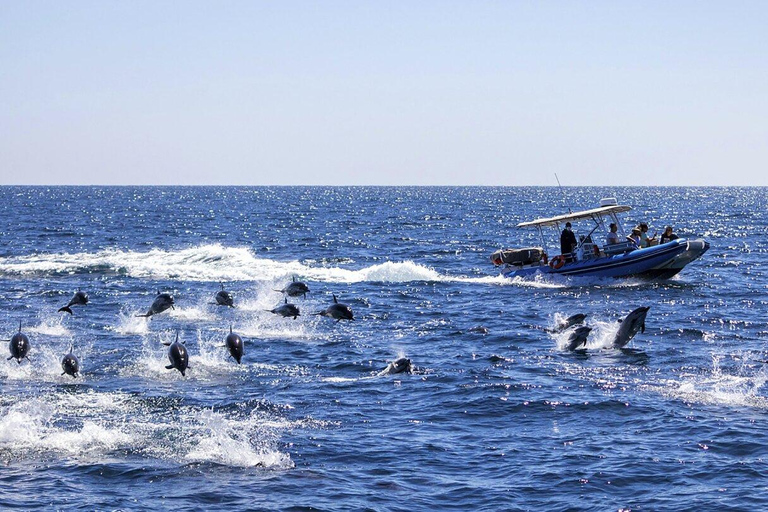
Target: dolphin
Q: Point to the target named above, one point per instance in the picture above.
(635, 321)
(162, 302)
(401, 365)
(70, 364)
(19, 346)
(286, 310)
(80, 298)
(224, 298)
(235, 345)
(295, 288)
(337, 310)
(178, 355)
(578, 338)
(572, 320)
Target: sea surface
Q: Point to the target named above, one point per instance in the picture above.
(496, 416)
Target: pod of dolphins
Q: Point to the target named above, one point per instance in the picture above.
(577, 334)
(178, 355)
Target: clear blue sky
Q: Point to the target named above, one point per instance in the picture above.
(383, 92)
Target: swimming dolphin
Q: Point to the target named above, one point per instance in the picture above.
(235, 345)
(78, 299)
(572, 320)
(401, 365)
(578, 338)
(337, 310)
(224, 298)
(70, 364)
(162, 302)
(286, 310)
(295, 289)
(19, 346)
(635, 321)
(178, 355)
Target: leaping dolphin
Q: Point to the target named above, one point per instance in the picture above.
(295, 288)
(162, 302)
(224, 298)
(578, 338)
(235, 345)
(80, 298)
(572, 320)
(70, 364)
(635, 321)
(338, 311)
(178, 355)
(19, 346)
(286, 310)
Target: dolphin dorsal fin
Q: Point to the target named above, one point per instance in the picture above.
(335, 300)
(222, 286)
(19, 325)
(230, 328)
(294, 279)
(286, 300)
(177, 335)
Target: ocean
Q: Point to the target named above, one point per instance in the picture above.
(495, 416)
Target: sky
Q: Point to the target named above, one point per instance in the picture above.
(383, 92)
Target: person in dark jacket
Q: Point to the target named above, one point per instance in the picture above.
(668, 235)
(567, 242)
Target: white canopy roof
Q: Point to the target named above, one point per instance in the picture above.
(586, 214)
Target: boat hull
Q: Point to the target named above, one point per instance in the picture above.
(657, 262)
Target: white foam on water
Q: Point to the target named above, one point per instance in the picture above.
(128, 323)
(214, 262)
(233, 442)
(100, 426)
(50, 325)
(32, 426)
(191, 313)
(738, 388)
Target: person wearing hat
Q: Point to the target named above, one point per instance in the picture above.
(635, 236)
(668, 235)
(567, 242)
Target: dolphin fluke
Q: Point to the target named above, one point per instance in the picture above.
(65, 309)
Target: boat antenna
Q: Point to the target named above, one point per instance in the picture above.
(563, 192)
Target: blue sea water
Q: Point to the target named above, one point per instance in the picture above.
(496, 420)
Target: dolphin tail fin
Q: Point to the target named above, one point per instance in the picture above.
(9, 358)
(169, 367)
(65, 309)
(145, 315)
(63, 373)
(281, 291)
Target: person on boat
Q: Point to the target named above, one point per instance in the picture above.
(668, 235)
(635, 237)
(644, 240)
(613, 235)
(567, 242)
